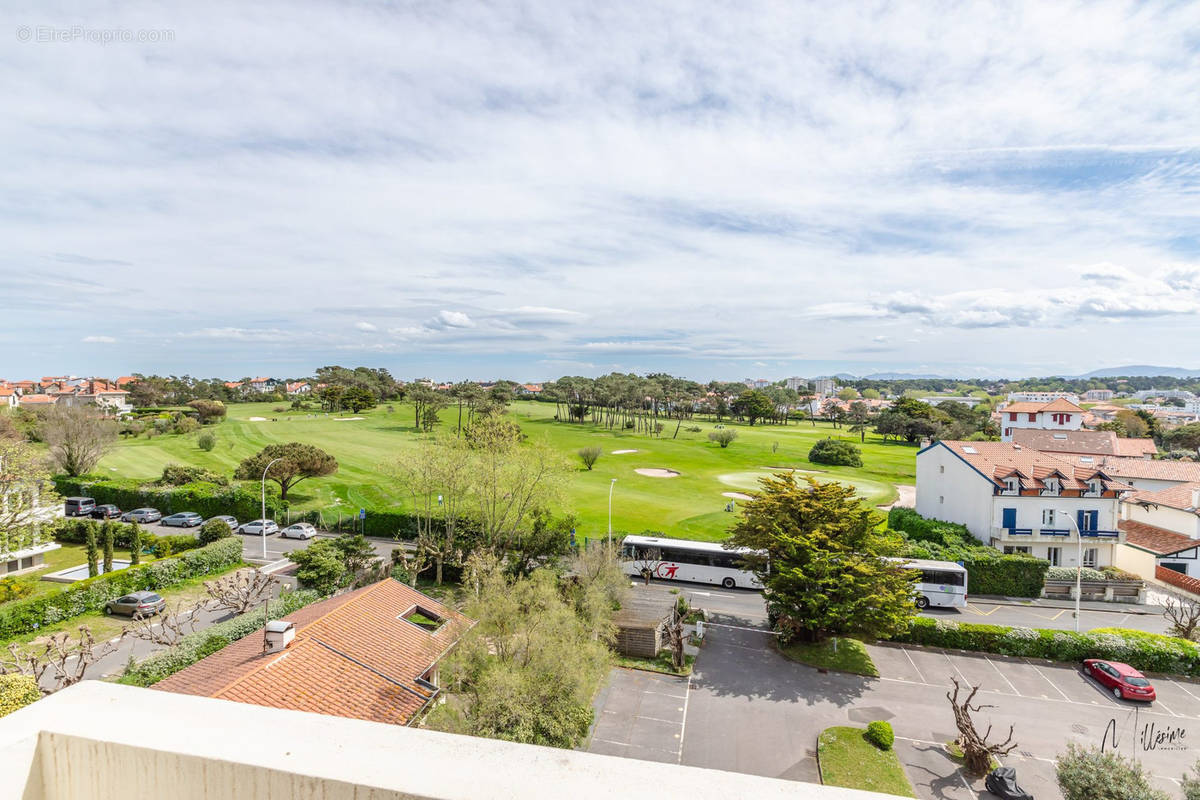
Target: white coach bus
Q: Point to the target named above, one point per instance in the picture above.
(683, 560)
(942, 584)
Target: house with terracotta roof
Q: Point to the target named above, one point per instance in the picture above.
(1059, 414)
(38, 400)
(1085, 443)
(1020, 500)
(9, 397)
(101, 394)
(1144, 474)
(1148, 548)
(370, 654)
(264, 385)
(299, 387)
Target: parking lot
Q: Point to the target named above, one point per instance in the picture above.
(748, 709)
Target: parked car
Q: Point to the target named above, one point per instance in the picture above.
(1125, 682)
(142, 515)
(136, 604)
(184, 519)
(255, 527)
(79, 506)
(106, 511)
(230, 521)
(301, 530)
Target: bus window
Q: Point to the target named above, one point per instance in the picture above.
(945, 578)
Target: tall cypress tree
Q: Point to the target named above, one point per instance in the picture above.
(93, 552)
(135, 543)
(108, 532)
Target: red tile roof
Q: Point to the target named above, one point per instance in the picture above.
(1034, 407)
(352, 656)
(1181, 496)
(1085, 442)
(1000, 460)
(38, 399)
(1147, 469)
(1155, 539)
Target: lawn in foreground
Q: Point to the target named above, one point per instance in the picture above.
(850, 761)
(691, 505)
(841, 654)
(65, 557)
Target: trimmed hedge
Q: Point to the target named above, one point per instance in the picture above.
(87, 596)
(241, 500)
(1149, 652)
(988, 570)
(74, 530)
(200, 644)
(880, 734)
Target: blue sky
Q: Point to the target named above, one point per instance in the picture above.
(533, 189)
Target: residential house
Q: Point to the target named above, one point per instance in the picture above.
(1143, 474)
(9, 397)
(94, 392)
(1084, 443)
(370, 654)
(1098, 395)
(1165, 523)
(1056, 415)
(1022, 501)
(264, 385)
(1147, 548)
(299, 387)
(529, 389)
(38, 400)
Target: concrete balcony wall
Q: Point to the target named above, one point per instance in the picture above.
(98, 741)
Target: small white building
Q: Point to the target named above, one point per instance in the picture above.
(1055, 415)
(1022, 501)
(1098, 395)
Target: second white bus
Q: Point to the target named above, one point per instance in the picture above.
(684, 560)
(942, 584)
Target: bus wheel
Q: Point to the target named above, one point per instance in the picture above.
(922, 602)
(729, 583)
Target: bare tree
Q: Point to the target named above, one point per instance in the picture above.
(977, 752)
(64, 659)
(647, 561)
(167, 629)
(78, 438)
(1184, 616)
(413, 561)
(674, 631)
(241, 591)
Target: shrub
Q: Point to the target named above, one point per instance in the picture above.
(212, 530)
(16, 692)
(835, 452)
(1087, 773)
(205, 498)
(186, 425)
(196, 646)
(206, 441)
(82, 597)
(1068, 574)
(164, 546)
(13, 589)
(181, 475)
(879, 733)
(589, 455)
(722, 437)
(1149, 652)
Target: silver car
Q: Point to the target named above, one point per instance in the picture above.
(301, 530)
(136, 604)
(142, 515)
(255, 527)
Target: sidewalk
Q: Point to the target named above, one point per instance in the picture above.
(1084, 605)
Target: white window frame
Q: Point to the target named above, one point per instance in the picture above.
(1091, 556)
(1054, 556)
(1010, 549)
(1047, 517)
(1053, 487)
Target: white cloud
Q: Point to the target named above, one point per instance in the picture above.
(454, 319)
(98, 339)
(365, 326)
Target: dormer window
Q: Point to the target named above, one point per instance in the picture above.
(1095, 487)
(1010, 485)
(1053, 487)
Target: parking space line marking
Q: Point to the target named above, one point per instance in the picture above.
(1002, 675)
(1052, 683)
(954, 667)
(1185, 690)
(984, 613)
(683, 722)
(914, 665)
(740, 628)
(657, 719)
(1169, 711)
(964, 783)
(1059, 614)
(664, 694)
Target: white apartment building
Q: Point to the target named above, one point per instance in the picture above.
(1022, 501)
(1098, 395)
(1055, 415)
(1042, 397)
(824, 386)
(796, 384)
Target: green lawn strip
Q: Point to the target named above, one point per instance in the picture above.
(104, 627)
(65, 557)
(661, 663)
(851, 656)
(690, 505)
(850, 761)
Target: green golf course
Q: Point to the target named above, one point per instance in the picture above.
(690, 505)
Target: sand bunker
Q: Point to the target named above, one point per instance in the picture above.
(657, 473)
(736, 495)
(622, 452)
(258, 419)
(346, 419)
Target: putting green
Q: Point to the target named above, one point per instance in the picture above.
(874, 492)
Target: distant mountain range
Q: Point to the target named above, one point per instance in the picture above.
(1142, 371)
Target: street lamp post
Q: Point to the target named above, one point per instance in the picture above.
(1078, 567)
(263, 519)
(610, 491)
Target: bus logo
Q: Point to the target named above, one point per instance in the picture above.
(667, 571)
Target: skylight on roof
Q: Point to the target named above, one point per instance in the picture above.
(968, 449)
(1086, 459)
(1060, 436)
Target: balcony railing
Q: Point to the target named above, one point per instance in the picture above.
(1100, 534)
(1055, 531)
(1019, 531)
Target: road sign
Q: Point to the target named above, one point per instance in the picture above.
(362, 513)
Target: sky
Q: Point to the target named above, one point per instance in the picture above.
(527, 190)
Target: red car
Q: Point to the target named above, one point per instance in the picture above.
(1125, 682)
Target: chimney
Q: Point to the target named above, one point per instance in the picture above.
(278, 635)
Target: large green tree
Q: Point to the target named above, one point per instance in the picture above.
(753, 405)
(826, 571)
(297, 461)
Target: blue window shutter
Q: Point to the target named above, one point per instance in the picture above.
(1009, 518)
(1081, 520)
